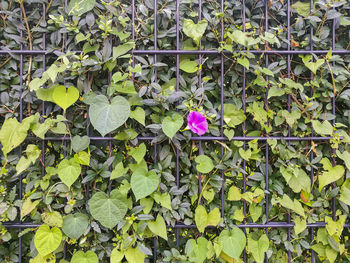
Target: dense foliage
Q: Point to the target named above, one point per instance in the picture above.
(97, 133)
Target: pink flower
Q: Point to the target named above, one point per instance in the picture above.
(197, 122)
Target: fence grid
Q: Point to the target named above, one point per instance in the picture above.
(288, 53)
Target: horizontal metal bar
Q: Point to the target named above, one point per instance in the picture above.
(201, 138)
(194, 52)
(249, 225)
(216, 52)
(23, 52)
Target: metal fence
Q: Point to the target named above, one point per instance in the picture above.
(288, 53)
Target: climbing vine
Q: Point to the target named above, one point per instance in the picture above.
(112, 155)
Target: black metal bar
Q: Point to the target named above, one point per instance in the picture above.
(183, 226)
(312, 131)
(195, 138)
(266, 144)
(177, 232)
(288, 105)
(20, 190)
(192, 52)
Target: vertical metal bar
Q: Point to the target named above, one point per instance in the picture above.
(155, 79)
(177, 89)
(20, 190)
(333, 121)
(222, 110)
(312, 131)
(266, 144)
(200, 85)
(245, 258)
(288, 103)
(43, 102)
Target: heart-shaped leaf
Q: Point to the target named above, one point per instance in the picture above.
(47, 240)
(197, 250)
(68, 171)
(74, 225)
(204, 219)
(232, 242)
(171, 125)
(143, 183)
(195, 31)
(105, 116)
(81, 257)
(65, 97)
(109, 211)
(258, 247)
(204, 164)
(80, 143)
(158, 227)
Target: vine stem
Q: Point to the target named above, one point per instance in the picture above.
(29, 38)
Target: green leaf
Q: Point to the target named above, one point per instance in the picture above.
(324, 128)
(116, 256)
(234, 194)
(296, 178)
(239, 37)
(197, 250)
(195, 31)
(36, 84)
(163, 199)
(345, 192)
(105, 116)
(82, 158)
(170, 126)
(255, 211)
(32, 152)
(80, 143)
(143, 183)
(229, 133)
(291, 117)
(314, 66)
(258, 248)
(345, 156)
(28, 206)
(204, 164)
(53, 218)
(47, 240)
(45, 94)
(118, 171)
(302, 8)
(232, 242)
(139, 115)
(331, 174)
(233, 116)
(244, 62)
(274, 91)
(189, 66)
(68, 171)
(138, 152)
(81, 257)
(80, 7)
(65, 97)
(122, 49)
(147, 203)
(158, 227)
(74, 225)
(203, 219)
(300, 225)
(335, 228)
(295, 205)
(109, 211)
(13, 133)
(134, 255)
